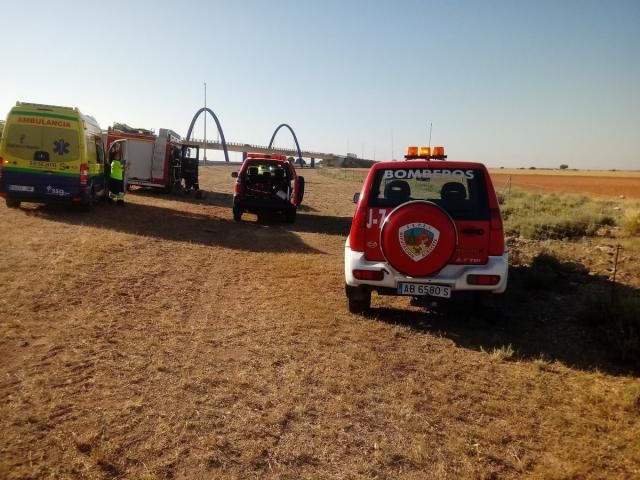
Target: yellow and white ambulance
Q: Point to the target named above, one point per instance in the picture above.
(51, 154)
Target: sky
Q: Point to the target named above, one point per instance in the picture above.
(513, 84)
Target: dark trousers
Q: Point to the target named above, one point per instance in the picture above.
(116, 186)
(116, 189)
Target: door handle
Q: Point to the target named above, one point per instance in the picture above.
(473, 231)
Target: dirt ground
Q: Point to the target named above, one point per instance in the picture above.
(599, 184)
(163, 340)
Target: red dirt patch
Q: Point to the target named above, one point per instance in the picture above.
(605, 186)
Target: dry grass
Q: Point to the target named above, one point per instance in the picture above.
(162, 340)
(631, 222)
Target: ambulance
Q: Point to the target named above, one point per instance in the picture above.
(51, 154)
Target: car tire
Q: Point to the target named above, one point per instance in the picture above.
(358, 299)
(290, 215)
(237, 214)
(12, 203)
(300, 189)
(359, 305)
(89, 201)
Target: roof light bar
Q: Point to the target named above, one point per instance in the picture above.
(264, 155)
(425, 153)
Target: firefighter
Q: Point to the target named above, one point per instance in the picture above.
(116, 179)
(190, 172)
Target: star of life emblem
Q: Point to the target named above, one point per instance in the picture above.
(61, 147)
(418, 240)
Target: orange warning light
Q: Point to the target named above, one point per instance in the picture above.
(424, 151)
(438, 151)
(412, 151)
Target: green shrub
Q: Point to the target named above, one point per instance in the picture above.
(552, 216)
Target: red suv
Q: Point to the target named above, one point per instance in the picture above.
(267, 183)
(425, 228)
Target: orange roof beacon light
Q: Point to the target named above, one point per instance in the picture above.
(412, 152)
(438, 152)
(424, 151)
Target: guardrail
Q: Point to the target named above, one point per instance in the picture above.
(263, 147)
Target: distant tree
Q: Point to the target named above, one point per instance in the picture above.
(564, 166)
(532, 168)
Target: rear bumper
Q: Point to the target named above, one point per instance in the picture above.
(42, 188)
(454, 276)
(255, 204)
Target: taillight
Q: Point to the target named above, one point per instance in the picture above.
(496, 233)
(1, 164)
(376, 275)
(483, 279)
(84, 174)
(357, 234)
(238, 187)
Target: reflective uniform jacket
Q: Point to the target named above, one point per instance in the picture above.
(117, 172)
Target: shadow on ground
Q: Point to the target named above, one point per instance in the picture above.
(182, 226)
(541, 316)
(217, 199)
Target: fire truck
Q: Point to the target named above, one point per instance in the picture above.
(156, 160)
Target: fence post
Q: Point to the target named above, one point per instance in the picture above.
(615, 271)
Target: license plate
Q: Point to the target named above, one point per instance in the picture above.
(424, 289)
(20, 188)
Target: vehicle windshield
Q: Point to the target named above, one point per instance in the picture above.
(460, 192)
(38, 143)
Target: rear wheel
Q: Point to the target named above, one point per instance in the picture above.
(12, 203)
(290, 215)
(300, 189)
(358, 300)
(89, 200)
(359, 305)
(237, 213)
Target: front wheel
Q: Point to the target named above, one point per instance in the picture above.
(12, 203)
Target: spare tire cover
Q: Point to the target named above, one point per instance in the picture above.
(418, 238)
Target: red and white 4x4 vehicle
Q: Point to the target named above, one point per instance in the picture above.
(425, 227)
(267, 183)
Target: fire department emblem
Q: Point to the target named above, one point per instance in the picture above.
(418, 240)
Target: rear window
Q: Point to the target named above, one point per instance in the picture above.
(461, 192)
(45, 144)
(269, 168)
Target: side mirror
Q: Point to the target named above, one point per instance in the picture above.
(234, 174)
(356, 197)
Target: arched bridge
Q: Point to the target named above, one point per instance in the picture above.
(222, 139)
(297, 153)
(295, 139)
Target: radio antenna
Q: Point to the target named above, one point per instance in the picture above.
(392, 156)
(430, 130)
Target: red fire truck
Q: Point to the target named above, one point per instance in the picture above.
(156, 160)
